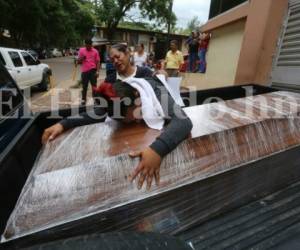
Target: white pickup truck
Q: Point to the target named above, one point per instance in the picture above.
(24, 69)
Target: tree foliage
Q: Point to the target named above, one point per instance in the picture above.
(64, 23)
(112, 12)
(60, 23)
(194, 24)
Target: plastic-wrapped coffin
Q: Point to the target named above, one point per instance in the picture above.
(80, 181)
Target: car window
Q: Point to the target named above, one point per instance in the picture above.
(28, 59)
(9, 94)
(2, 59)
(16, 59)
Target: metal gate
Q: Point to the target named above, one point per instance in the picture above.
(286, 69)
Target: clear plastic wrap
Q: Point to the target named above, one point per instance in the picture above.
(85, 171)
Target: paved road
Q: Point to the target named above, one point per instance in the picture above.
(63, 71)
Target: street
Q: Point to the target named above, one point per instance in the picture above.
(63, 71)
(61, 94)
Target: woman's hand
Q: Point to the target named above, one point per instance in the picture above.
(52, 132)
(148, 167)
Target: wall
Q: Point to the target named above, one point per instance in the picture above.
(264, 22)
(222, 58)
(223, 53)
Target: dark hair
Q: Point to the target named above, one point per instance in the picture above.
(142, 46)
(124, 49)
(174, 42)
(120, 47)
(88, 41)
(124, 90)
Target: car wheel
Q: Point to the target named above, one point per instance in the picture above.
(43, 86)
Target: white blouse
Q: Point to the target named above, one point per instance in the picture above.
(140, 60)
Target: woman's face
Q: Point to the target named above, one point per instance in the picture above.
(120, 60)
(139, 49)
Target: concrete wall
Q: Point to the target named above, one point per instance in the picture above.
(222, 58)
(224, 51)
(263, 21)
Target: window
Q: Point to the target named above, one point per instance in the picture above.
(9, 94)
(218, 7)
(28, 59)
(16, 59)
(134, 39)
(2, 59)
(11, 109)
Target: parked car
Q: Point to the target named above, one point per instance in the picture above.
(73, 51)
(25, 69)
(34, 54)
(56, 53)
(43, 53)
(69, 51)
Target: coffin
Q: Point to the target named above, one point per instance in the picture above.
(238, 150)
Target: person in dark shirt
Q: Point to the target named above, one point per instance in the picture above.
(192, 43)
(110, 69)
(178, 124)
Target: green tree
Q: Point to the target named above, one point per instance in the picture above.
(67, 22)
(194, 24)
(112, 12)
(4, 14)
(21, 19)
(58, 23)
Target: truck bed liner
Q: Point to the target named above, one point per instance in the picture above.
(270, 223)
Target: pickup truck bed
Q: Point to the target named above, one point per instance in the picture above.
(17, 159)
(269, 223)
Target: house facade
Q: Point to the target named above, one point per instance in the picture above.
(156, 42)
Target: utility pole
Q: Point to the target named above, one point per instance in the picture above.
(169, 21)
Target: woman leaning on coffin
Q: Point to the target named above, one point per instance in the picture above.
(177, 124)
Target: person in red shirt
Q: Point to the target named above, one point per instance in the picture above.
(203, 47)
(90, 66)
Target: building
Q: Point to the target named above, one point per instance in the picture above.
(156, 42)
(254, 41)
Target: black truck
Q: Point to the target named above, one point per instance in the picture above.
(271, 222)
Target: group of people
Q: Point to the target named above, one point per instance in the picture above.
(128, 75)
(197, 44)
(138, 57)
(171, 64)
(150, 101)
(89, 59)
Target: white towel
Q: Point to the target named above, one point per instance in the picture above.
(152, 111)
(173, 87)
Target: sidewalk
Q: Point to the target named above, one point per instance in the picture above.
(62, 96)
